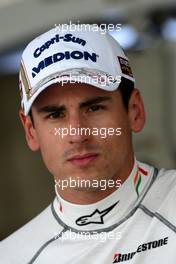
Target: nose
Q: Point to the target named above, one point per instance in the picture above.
(79, 133)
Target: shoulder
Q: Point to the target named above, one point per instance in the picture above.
(165, 183)
(160, 198)
(23, 243)
(161, 177)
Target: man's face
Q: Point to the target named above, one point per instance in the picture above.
(84, 156)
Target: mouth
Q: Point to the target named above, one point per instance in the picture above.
(82, 160)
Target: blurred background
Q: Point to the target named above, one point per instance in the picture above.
(148, 35)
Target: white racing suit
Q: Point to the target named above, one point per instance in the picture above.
(136, 224)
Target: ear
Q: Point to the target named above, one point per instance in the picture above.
(136, 112)
(30, 132)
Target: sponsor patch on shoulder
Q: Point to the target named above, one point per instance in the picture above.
(125, 66)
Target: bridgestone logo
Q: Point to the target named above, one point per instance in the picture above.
(118, 257)
(67, 55)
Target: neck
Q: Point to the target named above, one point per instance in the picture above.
(93, 195)
(109, 211)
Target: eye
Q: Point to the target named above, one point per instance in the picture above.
(55, 115)
(94, 108)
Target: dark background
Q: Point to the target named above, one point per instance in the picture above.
(26, 188)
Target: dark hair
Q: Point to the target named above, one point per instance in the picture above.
(31, 116)
(126, 87)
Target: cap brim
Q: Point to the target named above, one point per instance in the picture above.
(101, 80)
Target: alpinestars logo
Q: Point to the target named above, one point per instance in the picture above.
(118, 257)
(95, 218)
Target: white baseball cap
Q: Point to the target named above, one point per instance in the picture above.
(60, 56)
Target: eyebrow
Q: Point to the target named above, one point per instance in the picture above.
(95, 100)
(88, 102)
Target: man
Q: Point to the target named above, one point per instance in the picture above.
(79, 108)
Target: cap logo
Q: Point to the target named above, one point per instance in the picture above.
(56, 39)
(125, 66)
(67, 55)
